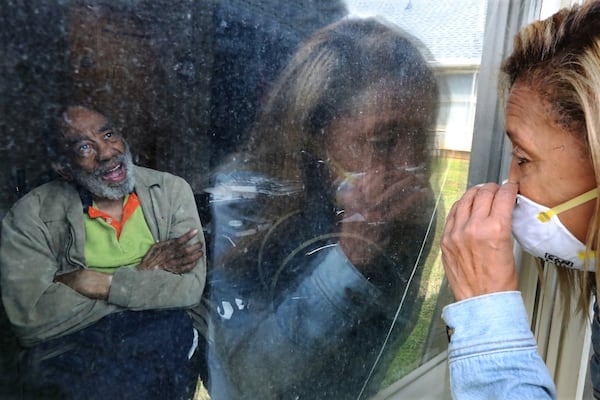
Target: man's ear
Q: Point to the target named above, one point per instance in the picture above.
(62, 170)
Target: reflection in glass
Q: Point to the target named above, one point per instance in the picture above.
(322, 221)
(312, 236)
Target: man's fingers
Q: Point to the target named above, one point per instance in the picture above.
(183, 264)
(174, 248)
(184, 251)
(178, 251)
(181, 269)
(170, 255)
(186, 237)
(184, 255)
(194, 248)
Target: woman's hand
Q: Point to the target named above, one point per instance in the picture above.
(477, 246)
(376, 202)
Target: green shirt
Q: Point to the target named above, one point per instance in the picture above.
(110, 244)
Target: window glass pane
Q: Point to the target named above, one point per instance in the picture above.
(323, 142)
(457, 110)
(460, 86)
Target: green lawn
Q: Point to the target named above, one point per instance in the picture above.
(450, 177)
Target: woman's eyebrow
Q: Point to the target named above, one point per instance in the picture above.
(524, 147)
(514, 139)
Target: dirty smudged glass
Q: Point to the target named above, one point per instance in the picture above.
(311, 135)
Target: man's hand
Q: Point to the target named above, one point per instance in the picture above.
(173, 255)
(92, 284)
(477, 247)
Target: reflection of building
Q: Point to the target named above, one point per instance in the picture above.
(452, 31)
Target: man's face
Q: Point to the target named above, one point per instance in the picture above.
(99, 157)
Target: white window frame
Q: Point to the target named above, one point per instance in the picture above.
(565, 348)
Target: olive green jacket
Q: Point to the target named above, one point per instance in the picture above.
(43, 236)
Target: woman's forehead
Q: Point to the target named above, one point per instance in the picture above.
(531, 126)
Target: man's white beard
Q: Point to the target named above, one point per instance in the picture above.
(96, 186)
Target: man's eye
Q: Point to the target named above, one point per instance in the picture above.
(84, 150)
(108, 135)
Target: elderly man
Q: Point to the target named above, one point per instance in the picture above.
(99, 268)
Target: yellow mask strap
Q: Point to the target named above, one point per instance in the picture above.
(545, 216)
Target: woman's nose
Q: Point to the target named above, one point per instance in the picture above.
(380, 156)
(514, 173)
(378, 162)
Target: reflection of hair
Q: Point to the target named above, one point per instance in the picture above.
(559, 58)
(327, 79)
(324, 81)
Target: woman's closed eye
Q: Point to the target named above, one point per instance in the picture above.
(518, 155)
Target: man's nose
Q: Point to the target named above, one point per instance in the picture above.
(106, 151)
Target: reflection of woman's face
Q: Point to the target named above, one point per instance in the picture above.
(549, 164)
(377, 156)
(382, 134)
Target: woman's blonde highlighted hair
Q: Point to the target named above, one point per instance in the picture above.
(559, 58)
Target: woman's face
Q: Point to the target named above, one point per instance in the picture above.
(383, 133)
(377, 156)
(550, 164)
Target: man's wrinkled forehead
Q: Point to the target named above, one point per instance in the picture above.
(79, 122)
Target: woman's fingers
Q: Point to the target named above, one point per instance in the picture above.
(476, 242)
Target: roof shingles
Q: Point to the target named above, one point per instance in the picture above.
(450, 29)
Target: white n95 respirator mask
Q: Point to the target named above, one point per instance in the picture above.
(540, 233)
